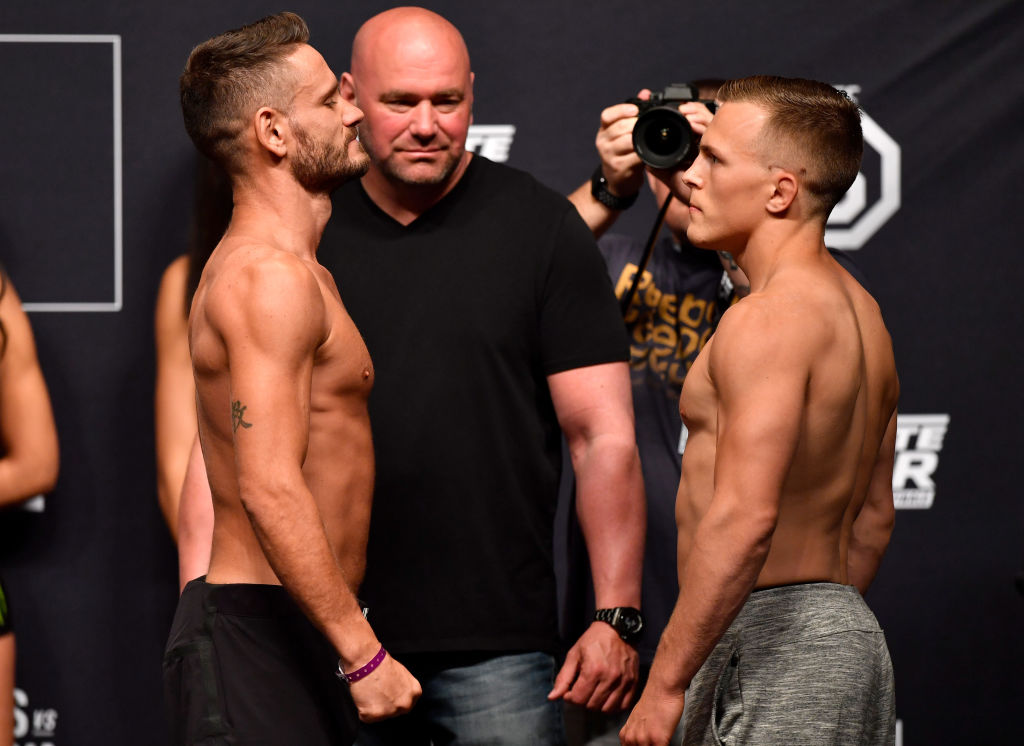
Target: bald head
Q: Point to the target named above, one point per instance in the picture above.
(410, 32)
(410, 76)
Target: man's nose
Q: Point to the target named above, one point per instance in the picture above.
(424, 120)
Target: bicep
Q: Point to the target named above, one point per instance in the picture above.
(591, 400)
(761, 381)
(271, 330)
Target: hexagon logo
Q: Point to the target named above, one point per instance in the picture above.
(872, 200)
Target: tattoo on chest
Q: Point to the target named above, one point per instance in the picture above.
(237, 414)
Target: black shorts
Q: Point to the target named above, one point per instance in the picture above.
(243, 665)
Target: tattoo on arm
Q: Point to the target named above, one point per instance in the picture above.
(237, 413)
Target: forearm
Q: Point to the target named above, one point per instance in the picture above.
(290, 530)
(611, 507)
(598, 216)
(867, 547)
(863, 566)
(728, 552)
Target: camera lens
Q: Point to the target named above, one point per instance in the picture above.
(663, 139)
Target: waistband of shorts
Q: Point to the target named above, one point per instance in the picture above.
(243, 599)
(783, 614)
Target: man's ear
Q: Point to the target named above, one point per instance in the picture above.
(784, 190)
(272, 130)
(347, 85)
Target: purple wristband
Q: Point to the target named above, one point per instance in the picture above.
(362, 673)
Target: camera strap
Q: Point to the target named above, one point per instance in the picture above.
(627, 299)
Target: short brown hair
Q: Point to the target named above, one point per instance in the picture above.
(822, 122)
(230, 76)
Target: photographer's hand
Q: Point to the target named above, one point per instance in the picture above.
(697, 114)
(620, 165)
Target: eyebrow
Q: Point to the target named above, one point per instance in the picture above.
(396, 94)
(328, 92)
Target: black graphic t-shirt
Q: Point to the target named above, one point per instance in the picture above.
(465, 312)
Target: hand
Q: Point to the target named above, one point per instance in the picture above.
(654, 719)
(697, 114)
(390, 690)
(619, 162)
(600, 671)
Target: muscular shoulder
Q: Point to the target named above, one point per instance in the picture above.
(261, 292)
(761, 334)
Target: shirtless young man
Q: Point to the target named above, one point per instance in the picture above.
(282, 379)
(786, 479)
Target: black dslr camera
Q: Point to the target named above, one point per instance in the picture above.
(661, 136)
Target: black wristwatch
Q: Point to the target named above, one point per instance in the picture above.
(599, 189)
(625, 620)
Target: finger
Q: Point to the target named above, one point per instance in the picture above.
(584, 686)
(605, 686)
(565, 676)
(622, 130)
(616, 700)
(618, 111)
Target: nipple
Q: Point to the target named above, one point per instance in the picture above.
(366, 374)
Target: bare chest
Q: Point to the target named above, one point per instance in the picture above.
(698, 404)
(342, 368)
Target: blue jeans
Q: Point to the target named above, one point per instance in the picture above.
(476, 701)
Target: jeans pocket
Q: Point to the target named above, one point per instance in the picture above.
(194, 695)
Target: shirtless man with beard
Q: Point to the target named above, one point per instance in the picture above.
(282, 379)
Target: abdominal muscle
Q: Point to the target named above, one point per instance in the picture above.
(341, 481)
(806, 545)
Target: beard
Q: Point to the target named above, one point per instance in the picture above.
(416, 176)
(321, 166)
(398, 171)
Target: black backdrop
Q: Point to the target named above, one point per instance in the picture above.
(95, 186)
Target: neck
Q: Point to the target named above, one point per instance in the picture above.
(277, 210)
(778, 244)
(406, 202)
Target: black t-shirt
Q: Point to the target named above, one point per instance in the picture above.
(465, 312)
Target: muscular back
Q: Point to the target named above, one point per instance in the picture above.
(282, 380)
(791, 412)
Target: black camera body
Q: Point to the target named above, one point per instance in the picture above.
(662, 137)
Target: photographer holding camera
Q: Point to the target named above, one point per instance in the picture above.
(678, 299)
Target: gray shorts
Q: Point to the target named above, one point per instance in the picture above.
(801, 664)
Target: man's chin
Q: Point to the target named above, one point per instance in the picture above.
(420, 170)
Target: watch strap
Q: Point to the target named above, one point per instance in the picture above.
(599, 190)
(616, 618)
